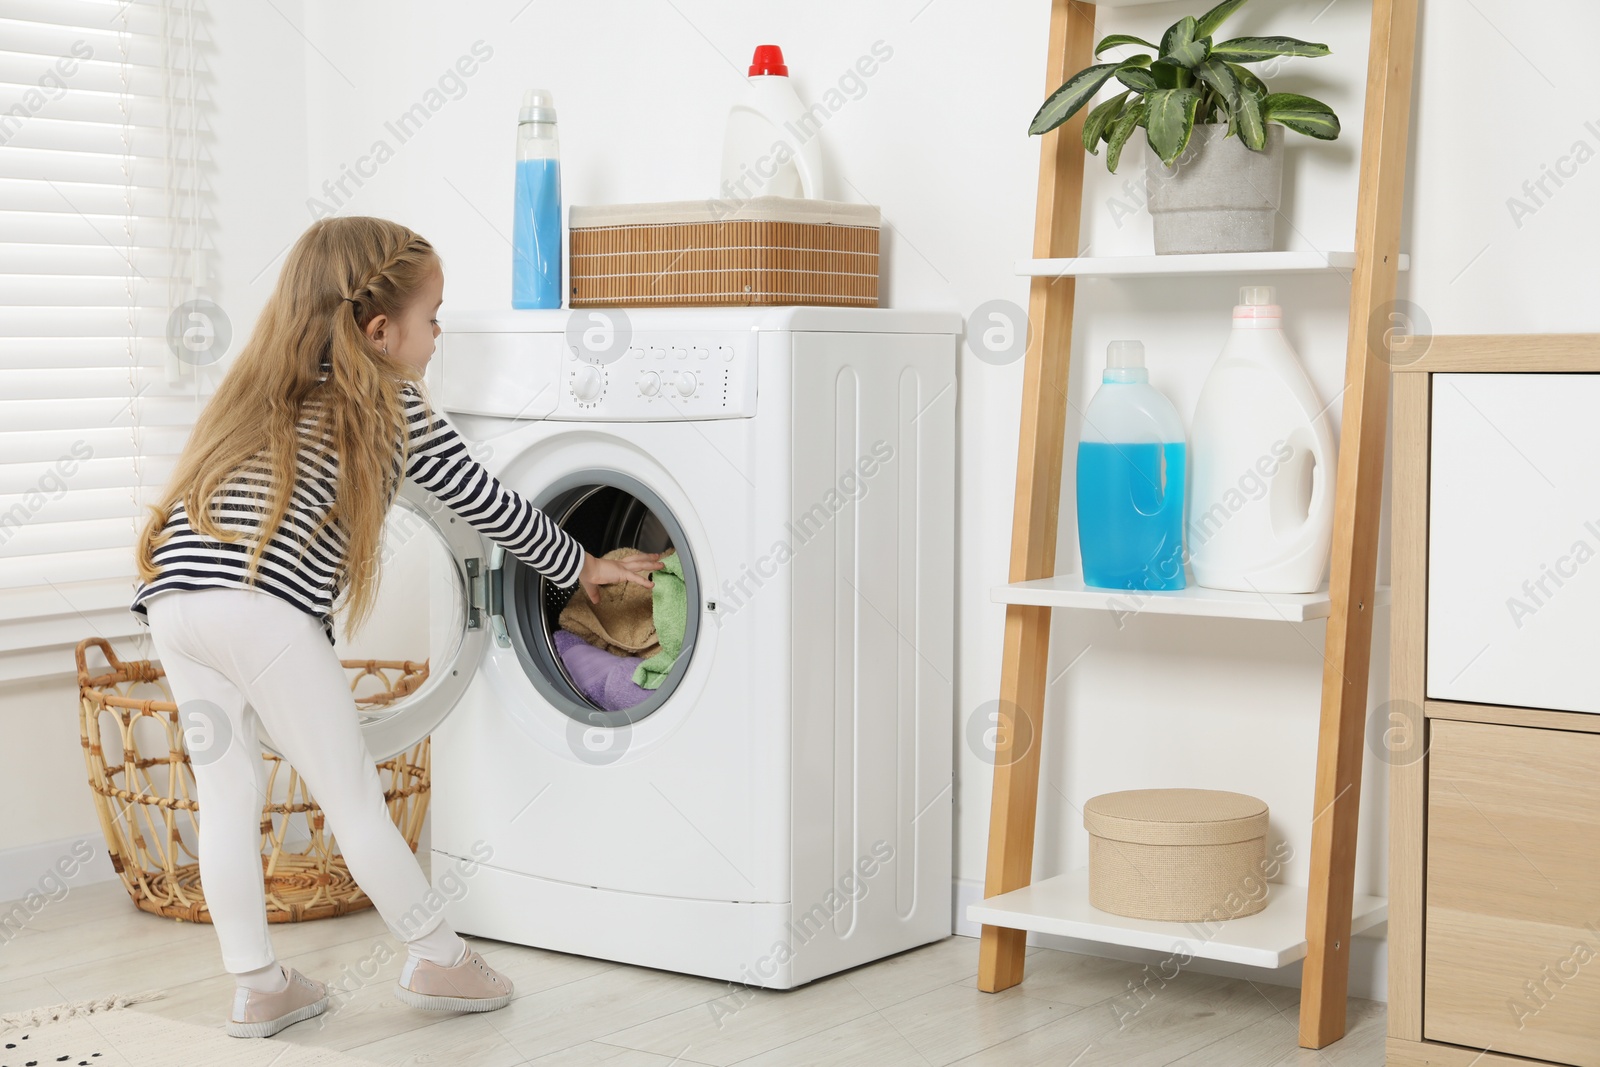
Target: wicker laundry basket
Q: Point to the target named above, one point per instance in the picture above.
(765, 250)
(142, 782)
(1183, 855)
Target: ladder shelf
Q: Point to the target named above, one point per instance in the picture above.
(1314, 922)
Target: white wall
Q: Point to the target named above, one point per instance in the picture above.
(938, 140)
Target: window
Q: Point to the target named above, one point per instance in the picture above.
(102, 227)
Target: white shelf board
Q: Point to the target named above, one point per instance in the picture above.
(1213, 263)
(1068, 591)
(1273, 937)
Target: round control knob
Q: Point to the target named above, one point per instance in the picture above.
(586, 382)
(686, 383)
(649, 383)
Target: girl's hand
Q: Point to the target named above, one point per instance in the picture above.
(597, 572)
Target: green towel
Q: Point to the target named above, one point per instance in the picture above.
(669, 601)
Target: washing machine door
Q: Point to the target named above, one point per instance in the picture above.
(411, 661)
(447, 594)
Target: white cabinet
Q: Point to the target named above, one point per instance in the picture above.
(1513, 611)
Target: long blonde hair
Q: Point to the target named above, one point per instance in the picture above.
(341, 273)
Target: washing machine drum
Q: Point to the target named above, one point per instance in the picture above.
(604, 511)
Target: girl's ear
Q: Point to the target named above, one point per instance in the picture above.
(376, 328)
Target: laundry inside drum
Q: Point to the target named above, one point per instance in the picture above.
(618, 654)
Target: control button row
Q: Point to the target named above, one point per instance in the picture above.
(724, 353)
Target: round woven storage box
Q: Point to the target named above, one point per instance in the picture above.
(143, 791)
(1183, 855)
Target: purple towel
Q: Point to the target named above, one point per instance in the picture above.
(606, 679)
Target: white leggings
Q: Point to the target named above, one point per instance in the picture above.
(233, 654)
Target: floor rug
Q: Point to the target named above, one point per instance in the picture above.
(102, 1033)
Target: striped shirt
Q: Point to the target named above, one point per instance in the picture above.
(304, 573)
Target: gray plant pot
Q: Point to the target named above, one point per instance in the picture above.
(1219, 197)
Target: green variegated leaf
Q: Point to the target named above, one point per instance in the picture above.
(1302, 114)
(1170, 120)
(1191, 54)
(1178, 34)
(1120, 38)
(1211, 20)
(1248, 79)
(1166, 74)
(1066, 101)
(1137, 78)
(1130, 119)
(1218, 75)
(1249, 121)
(1255, 49)
(1094, 127)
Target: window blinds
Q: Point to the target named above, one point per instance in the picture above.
(101, 237)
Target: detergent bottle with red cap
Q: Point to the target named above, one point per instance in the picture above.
(771, 144)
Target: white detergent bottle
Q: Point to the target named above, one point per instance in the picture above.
(770, 146)
(1262, 463)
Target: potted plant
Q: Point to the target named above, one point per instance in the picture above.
(1213, 126)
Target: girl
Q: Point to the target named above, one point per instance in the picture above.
(308, 437)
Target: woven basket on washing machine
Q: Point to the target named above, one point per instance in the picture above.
(1182, 855)
(143, 787)
(762, 251)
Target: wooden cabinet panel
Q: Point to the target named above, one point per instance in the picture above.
(1512, 940)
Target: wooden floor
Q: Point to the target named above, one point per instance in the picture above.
(921, 1007)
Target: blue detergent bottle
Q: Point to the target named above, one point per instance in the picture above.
(1131, 466)
(536, 227)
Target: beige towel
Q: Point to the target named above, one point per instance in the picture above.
(623, 623)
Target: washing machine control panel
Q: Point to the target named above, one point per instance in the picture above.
(663, 376)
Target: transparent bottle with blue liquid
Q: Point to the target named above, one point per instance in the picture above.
(536, 227)
(1131, 466)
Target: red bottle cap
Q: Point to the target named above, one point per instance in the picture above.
(768, 60)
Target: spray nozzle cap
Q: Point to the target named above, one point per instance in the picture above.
(768, 59)
(538, 105)
(1123, 354)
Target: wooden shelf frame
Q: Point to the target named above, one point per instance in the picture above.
(1330, 896)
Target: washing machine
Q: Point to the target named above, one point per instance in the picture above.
(779, 809)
